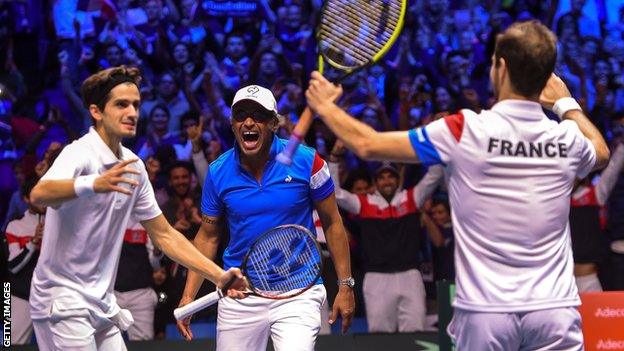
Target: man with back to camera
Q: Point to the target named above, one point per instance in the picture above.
(91, 190)
(515, 283)
(251, 193)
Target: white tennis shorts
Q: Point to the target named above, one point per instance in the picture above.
(293, 324)
(551, 329)
(78, 333)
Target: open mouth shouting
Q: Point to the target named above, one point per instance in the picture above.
(250, 140)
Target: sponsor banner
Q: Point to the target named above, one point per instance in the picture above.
(227, 8)
(603, 320)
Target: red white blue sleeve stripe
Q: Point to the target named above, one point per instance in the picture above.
(436, 142)
(424, 148)
(321, 184)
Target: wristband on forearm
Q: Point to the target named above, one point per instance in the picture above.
(83, 185)
(564, 105)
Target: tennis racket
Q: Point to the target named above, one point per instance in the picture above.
(281, 263)
(350, 36)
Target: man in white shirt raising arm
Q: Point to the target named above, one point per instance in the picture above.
(510, 171)
(92, 189)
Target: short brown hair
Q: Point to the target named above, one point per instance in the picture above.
(530, 51)
(95, 90)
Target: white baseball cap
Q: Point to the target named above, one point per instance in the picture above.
(258, 94)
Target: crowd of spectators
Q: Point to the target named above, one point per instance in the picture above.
(194, 54)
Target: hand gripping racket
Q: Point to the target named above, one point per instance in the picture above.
(351, 35)
(282, 263)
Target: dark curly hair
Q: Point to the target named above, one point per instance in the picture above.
(95, 90)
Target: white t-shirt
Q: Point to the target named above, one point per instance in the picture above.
(511, 172)
(83, 237)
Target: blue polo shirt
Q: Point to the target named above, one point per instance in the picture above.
(284, 196)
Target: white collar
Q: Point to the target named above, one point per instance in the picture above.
(106, 154)
(523, 109)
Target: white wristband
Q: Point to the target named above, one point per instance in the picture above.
(564, 105)
(83, 185)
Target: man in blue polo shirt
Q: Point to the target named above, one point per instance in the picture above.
(253, 193)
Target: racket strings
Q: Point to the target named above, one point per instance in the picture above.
(292, 281)
(301, 259)
(378, 12)
(357, 25)
(297, 275)
(259, 264)
(286, 260)
(383, 18)
(260, 260)
(342, 51)
(352, 37)
(347, 38)
(352, 33)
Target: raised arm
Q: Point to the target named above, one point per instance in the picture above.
(199, 159)
(346, 200)
(357, 136)
(557, 97)
(173, 13)
(53, 192)
(70, 94)
(269, 15)
(594, 136)
(428, 184)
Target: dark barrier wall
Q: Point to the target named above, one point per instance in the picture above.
(358, 342)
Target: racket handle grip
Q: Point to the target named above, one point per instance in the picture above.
(301, 129)
(227, 285)
(197, 305)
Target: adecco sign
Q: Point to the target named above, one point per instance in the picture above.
(603, 320)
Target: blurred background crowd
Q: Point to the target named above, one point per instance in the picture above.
(194, 54)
